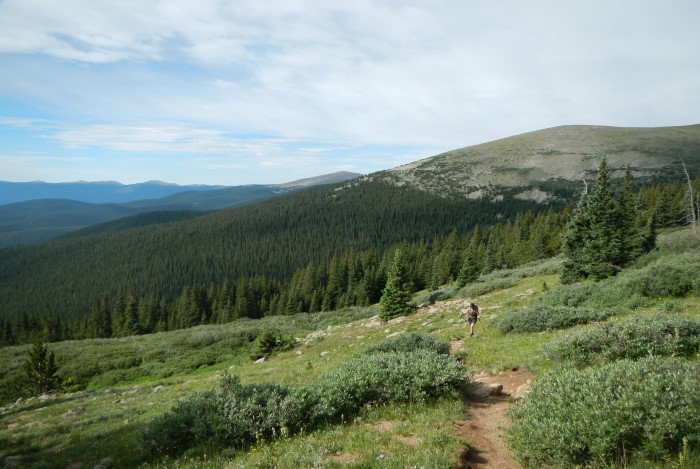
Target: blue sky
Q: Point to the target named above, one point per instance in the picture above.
(242, 92)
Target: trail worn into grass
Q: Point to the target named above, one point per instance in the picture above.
(483, 427)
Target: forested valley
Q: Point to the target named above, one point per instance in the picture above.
(316, 250)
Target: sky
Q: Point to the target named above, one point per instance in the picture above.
(270, 91)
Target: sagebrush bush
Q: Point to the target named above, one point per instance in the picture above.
(607, 414)
(383, 377)
(547, 318)
(633, 338)
(410, 342)
(668, 276)
(237, 415)
(435, 295)
(487, 285)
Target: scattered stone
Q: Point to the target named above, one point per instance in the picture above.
(134, 390)
(526, 294)
(394, 334)
(373, 322)
(19, 401)
(75, 412)
(158, 388)
(260, 360)
(324, 353)
(450, 321)
(109, 391)
(105, 463)
(397, 320)
(522, 391)
(299, 352)
(487, 390)
(44, 397)
(13, 461)
(119, 401)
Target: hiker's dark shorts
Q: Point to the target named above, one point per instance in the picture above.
(472, 320)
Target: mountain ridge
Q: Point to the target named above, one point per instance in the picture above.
(533, 161)
(39, 220)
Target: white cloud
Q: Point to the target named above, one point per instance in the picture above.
(414, 75)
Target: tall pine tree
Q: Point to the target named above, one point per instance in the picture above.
(396, 296)
(41, 369)
(604, 233)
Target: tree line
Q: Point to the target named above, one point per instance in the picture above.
(354, 276)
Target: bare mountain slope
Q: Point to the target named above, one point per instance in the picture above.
(529, 165)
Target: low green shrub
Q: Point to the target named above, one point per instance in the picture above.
(603, 415)
(383, 377)
(270, 341)
(235, 415)
(547, 318)
(670, 276)
(637, 337)
(410, 342)
(436, 295)
(485, 285)
(673, 275)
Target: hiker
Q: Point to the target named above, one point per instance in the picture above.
(472, 314)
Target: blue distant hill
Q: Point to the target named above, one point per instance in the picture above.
(92, 192)
(50, 210)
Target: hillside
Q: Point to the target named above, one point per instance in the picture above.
(34, 221)
(272, 239)
(134, 383)
(550, 163)
(266, 243)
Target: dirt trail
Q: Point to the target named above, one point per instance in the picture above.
(487, 418)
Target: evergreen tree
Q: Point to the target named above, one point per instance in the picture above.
(470, 267)
(396, 296)
(131, 317)
(604, 233)
(101, 320)
(591, 242)
(41, 369)
(631, 225)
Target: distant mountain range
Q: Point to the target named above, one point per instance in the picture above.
(73, 205)
(114, 192)
(92, 192)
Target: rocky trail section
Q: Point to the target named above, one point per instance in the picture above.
(487, 399)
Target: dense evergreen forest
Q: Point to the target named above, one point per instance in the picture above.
(320, 249)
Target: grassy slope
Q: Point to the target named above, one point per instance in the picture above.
(104, 421)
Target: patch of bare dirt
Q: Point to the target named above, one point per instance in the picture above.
(487, 405)
(343, 458)
(385, 425)
(410, 440)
